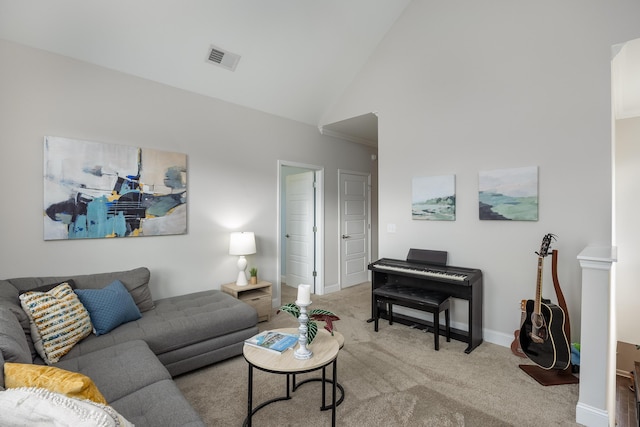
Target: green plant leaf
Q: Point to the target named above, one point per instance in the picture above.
(290, 308)
(312, 331)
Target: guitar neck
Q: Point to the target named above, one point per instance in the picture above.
(538, 301)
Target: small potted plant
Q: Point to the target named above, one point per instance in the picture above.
(254, 275)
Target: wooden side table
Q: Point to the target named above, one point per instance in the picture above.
(325, 352)
(258, 296)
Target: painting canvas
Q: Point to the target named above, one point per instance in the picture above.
(97, 190)
(509, 194)
(434, 198)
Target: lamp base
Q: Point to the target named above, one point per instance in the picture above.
(242, 279)
(242, 276)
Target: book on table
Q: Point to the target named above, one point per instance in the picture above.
(277, 342)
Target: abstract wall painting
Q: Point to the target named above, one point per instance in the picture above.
(97, 190)
(509, 194)
(434, 198)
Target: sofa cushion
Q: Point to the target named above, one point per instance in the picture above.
(13, 342)
(136, 281)
(47, 288)
(54, 379)
(9, 299)
(40, 407)
(178, 322)
(58, 321)
(1, 372)
(158, 404)
(109, 307)
(119, 370)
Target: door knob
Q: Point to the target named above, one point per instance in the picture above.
(345, 236)
(286, 235)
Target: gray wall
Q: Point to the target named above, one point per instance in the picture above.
(233, 155)
(468, 86)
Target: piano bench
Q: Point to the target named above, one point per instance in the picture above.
(418, 299)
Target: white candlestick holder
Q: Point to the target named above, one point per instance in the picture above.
(302, 352)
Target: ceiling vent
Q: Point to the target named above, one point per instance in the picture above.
(223, 58)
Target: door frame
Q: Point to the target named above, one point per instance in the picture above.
(340, 210)
(319, 212)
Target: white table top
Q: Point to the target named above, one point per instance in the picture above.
(324, 347)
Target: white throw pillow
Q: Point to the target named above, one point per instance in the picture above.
(40, 407)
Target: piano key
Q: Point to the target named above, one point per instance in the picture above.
(424, 272)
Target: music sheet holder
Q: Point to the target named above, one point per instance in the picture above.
(427, 256)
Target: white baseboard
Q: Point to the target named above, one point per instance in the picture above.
(590, 416)
(331, 288)
(499, 338)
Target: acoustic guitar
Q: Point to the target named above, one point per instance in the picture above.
(542, 336)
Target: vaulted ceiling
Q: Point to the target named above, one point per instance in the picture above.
(296, 56)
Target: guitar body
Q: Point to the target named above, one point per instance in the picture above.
(548, 346)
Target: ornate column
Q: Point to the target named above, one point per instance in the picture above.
(597, 366)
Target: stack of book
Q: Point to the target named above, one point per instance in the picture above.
(274, 341)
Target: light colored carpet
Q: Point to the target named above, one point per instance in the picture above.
(391, 378)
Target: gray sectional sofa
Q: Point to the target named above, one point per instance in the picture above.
(133, 365)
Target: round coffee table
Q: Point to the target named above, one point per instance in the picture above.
(325, 352)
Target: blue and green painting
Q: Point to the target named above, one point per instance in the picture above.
(96, 190)
(509, 194)
(434, 198)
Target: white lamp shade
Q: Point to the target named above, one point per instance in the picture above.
(242, 243)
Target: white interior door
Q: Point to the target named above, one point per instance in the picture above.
(354, 228)
(300, 226)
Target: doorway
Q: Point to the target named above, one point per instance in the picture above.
(358, 205)
(300, 225)
(626, 233)
(355, 227)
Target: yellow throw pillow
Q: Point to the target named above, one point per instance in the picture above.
(53, 379)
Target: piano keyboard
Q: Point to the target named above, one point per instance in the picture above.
(424, 272)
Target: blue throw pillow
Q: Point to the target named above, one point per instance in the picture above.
(109, 307)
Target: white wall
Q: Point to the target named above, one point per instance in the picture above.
(628, 230)
(467, 86)
(232, 171)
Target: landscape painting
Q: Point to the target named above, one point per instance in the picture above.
(509, 194)
(434, 198)
(97, 190)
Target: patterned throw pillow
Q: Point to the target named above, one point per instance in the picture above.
(58, 321)
(109, 307)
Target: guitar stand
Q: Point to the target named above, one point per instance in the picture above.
(548, 377)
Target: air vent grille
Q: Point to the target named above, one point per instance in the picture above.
(223, 58)
(216, 56)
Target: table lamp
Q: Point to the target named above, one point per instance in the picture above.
(242, 243)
